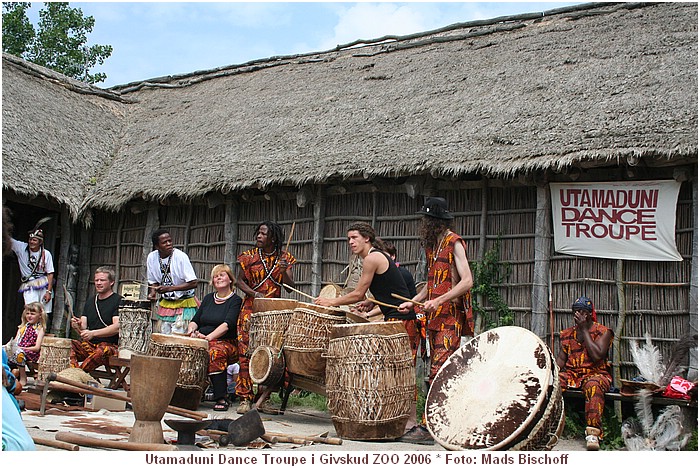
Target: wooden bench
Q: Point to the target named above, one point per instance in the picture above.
(631, 400)
(115, 371)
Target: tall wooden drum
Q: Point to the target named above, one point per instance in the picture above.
(135, 328)
(306, 340)
(54, 356)
(499, 391)
(370, 380)
(193, 377)
(269, 322)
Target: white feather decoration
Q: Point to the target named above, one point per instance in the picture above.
(647, 358)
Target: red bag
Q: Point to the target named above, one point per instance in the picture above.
(678, 388)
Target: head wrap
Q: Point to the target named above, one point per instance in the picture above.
(583, 303)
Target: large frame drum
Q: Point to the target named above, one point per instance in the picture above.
(499, 391)
(269, 322)
(54, 356)
(306, 340)
(135, 328)
(370, 380)
(193, 378)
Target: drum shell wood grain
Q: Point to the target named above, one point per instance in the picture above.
(135, 328)
(306, 341)
(266, 366)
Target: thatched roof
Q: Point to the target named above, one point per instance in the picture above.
(58, 135)
(586, 86)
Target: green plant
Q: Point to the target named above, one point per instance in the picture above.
(489, 274)
(303, 399)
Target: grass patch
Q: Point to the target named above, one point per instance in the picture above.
(302, 399)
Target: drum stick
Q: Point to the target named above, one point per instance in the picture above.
(382, 303)
(407, 299)
(298, 292)
(289, 239)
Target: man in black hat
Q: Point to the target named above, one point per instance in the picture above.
(36, 268)
(447, 302)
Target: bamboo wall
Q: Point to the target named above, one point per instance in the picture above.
(655, 295)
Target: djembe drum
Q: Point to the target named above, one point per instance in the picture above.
(499, 391)
(306, 340)
(193, 378)
(266, 366)
(135, 327)
(269, 321)
(54, 356)
(370, 380)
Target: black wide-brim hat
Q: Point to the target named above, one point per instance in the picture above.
(436, 207)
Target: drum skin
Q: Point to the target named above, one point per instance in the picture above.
(489, 393)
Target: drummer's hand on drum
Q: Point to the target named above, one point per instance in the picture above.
(364, 306)
(323, 301)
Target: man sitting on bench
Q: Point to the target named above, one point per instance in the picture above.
(583, 364)
(98, 326)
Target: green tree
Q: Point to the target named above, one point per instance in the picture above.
(59, 42)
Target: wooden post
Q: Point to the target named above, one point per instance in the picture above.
(59, 323)
(543, 246)
(188, 228)
(118, 246)
(617, 353)
(152, 224)
(693, 293)
(231, 231)
(317, 241)
(479, 319)
(84, 268)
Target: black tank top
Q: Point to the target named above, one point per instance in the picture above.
(391, 281)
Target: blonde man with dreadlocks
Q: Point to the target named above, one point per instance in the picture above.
(264, 269)
(583, 364)
(446, 297)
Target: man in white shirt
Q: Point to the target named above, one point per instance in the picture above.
(171, 275)
(36, 268)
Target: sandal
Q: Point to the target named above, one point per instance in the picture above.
(221, 405)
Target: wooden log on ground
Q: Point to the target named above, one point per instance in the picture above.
(87, 441)
(55, 443)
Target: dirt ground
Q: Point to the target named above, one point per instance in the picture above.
(296, 421)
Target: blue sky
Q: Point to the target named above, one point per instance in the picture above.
(152, 39)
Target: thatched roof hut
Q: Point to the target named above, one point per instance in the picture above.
(581, 86)
(485, 113)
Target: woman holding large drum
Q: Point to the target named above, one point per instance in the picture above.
(215, 321)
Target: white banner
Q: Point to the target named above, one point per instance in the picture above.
(621, 220)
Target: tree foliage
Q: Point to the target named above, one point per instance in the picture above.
(58, 43)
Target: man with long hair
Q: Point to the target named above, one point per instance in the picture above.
(446, 298)
(264, 269)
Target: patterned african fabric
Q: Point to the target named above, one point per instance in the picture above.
(222, 353)
(262, 274)
(579, 371)
(441, 264)
(27, 334)
(90, 354)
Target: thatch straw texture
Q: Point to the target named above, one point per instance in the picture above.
(56, 141)
(584, 87)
